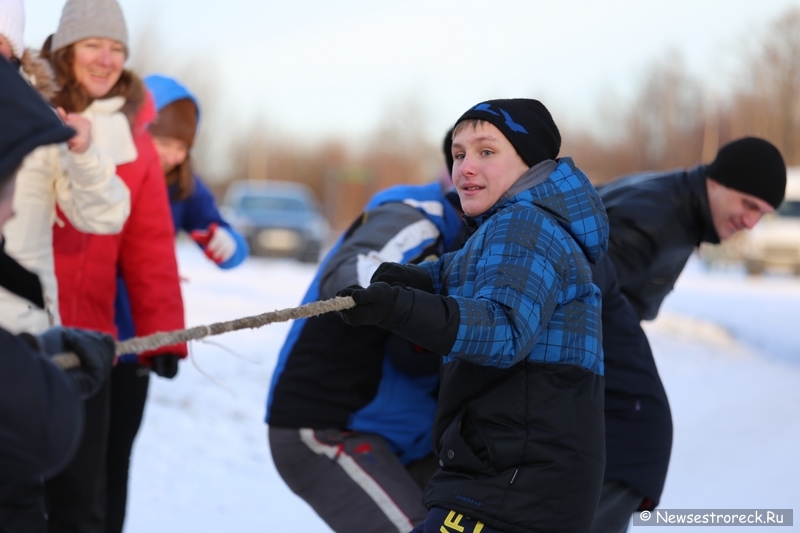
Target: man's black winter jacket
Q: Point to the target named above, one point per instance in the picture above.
(637, 414)
(657, 220)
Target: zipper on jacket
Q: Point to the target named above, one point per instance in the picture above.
(514, 476)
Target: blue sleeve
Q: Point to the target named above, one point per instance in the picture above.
(514, 294)
(200, 210)
(123, 319)
(241, 253)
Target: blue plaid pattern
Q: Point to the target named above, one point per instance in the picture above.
(523, 281)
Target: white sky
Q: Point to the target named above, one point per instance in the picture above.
(319, 69)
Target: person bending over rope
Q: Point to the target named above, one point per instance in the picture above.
(362, 396)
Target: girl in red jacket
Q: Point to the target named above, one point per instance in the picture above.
(87, 53)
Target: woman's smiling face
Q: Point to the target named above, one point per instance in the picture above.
(98, 64)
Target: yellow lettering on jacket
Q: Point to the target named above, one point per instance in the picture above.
(453, 521)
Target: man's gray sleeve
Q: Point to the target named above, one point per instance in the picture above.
(393, 232)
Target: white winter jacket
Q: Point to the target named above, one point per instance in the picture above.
(89, 193)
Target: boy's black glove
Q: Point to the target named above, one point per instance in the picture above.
(408, 275)
(166, 365)
(96, 352)
(426, 319)
(373, 304)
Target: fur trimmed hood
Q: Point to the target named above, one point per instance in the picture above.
(38, 73)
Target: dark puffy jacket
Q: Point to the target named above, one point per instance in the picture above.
(41, 413)
(638, 419)
(519, 425)
(657, 220)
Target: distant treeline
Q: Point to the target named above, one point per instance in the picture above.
(672, 121)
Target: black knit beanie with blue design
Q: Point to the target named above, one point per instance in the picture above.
(525, 122)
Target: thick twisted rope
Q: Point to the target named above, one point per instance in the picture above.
(157, 340)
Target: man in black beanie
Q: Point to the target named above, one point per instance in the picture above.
(657, 220)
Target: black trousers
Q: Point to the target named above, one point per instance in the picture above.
(129, 383)
(352, 480)
(22, 508)
(75, 497)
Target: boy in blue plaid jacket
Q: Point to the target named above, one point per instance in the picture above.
(515, 315)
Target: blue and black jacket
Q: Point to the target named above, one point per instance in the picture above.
(519, 427)
(332, 375)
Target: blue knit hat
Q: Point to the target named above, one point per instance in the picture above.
(166, 90)
(178, 109)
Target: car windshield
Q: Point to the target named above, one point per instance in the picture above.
(790, 208)
(272, 203)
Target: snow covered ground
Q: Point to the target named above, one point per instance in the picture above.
(727, 347)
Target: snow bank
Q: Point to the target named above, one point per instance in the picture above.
(201, 461)
(673, 325)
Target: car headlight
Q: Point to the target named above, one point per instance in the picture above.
(279, 239)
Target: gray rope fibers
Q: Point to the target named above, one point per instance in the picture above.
(157, 340)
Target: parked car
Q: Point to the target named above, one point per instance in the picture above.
(278, 218)
(775, 241)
